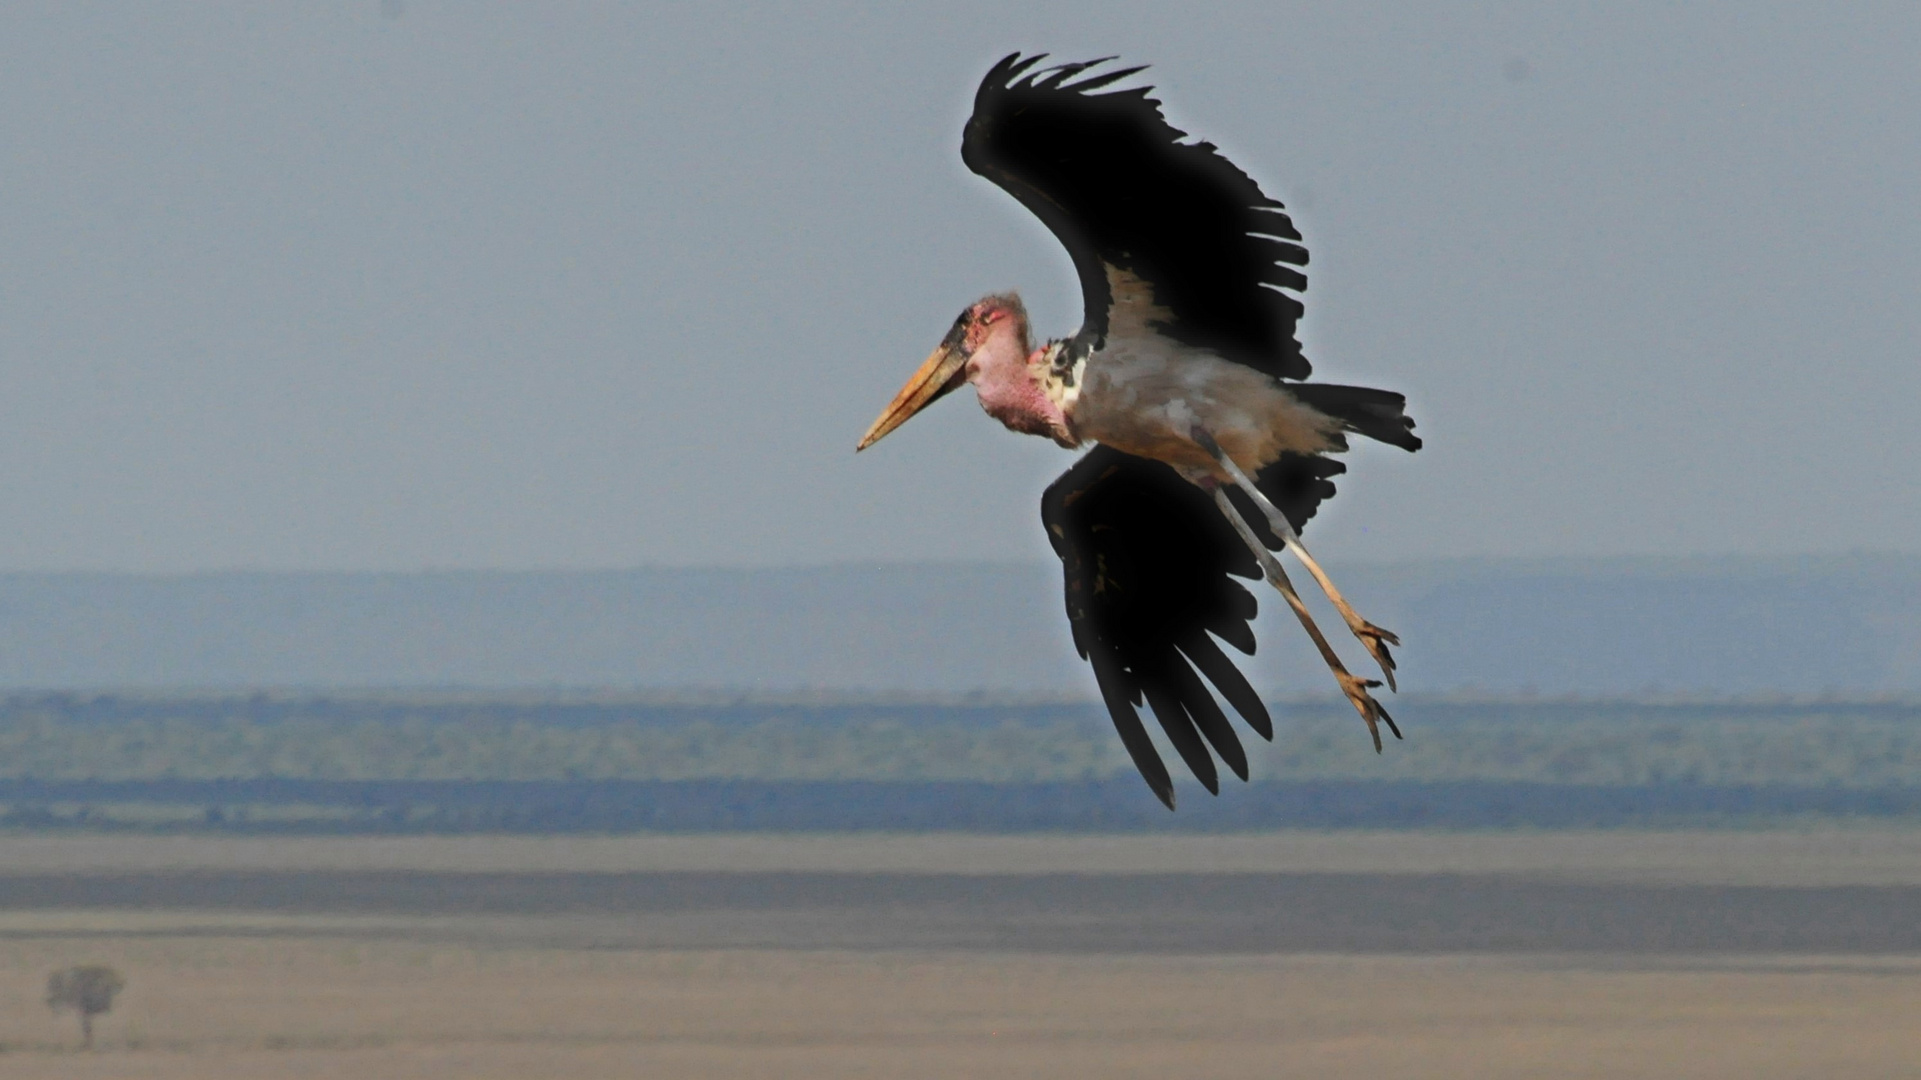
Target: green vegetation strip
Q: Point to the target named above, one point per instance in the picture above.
(399, 737)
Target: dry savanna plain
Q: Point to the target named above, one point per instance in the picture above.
(1299, 954)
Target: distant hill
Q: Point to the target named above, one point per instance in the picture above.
(1849, 626)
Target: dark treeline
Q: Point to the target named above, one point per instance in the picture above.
(310, 806)
(548, 709)
(557, 761)
(590, 709)
(562, 737)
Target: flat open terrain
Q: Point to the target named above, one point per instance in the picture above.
(218, 1006)
(1427, 955)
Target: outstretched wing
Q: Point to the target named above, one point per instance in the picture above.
(1150, 568)
(1118, 187)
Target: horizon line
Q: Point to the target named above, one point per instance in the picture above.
(1650, 559)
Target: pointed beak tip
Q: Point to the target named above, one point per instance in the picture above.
(940, 374)
(874, 434)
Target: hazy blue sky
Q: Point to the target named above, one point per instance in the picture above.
(368, 285)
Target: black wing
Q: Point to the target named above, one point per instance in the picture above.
(1116, 184)
(1150, 569)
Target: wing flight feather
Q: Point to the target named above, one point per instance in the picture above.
(1152, 577)
(1122, 188)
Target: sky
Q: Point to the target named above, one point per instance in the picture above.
(402, 285)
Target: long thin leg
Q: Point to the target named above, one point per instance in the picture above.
(1353, 686)
(1373, 638)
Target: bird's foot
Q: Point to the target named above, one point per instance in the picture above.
(1371, 712)
(1376, 641)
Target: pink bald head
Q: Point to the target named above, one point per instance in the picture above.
(988, 346)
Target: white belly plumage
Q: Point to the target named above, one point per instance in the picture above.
(1146, 395)
(1143, 392)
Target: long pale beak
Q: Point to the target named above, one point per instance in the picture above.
(943, 372)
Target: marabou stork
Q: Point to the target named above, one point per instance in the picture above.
(1210, 450)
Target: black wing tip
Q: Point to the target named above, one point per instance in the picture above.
(1137, 525)
(1184, 735)
(1009, 68)
(1021, 71)
(1004, 75)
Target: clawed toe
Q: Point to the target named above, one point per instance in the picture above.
(1376, 641)
(1373, 637)
(1368, 629)
(1371, 712)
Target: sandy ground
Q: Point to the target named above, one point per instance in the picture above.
(1298, 955)
(217, 1007)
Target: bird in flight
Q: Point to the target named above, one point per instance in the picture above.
(1210, 450)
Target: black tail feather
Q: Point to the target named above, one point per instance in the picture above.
(1378, 414)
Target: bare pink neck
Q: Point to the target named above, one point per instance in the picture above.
(1007, 379)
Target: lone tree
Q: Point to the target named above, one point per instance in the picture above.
(87, 990)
